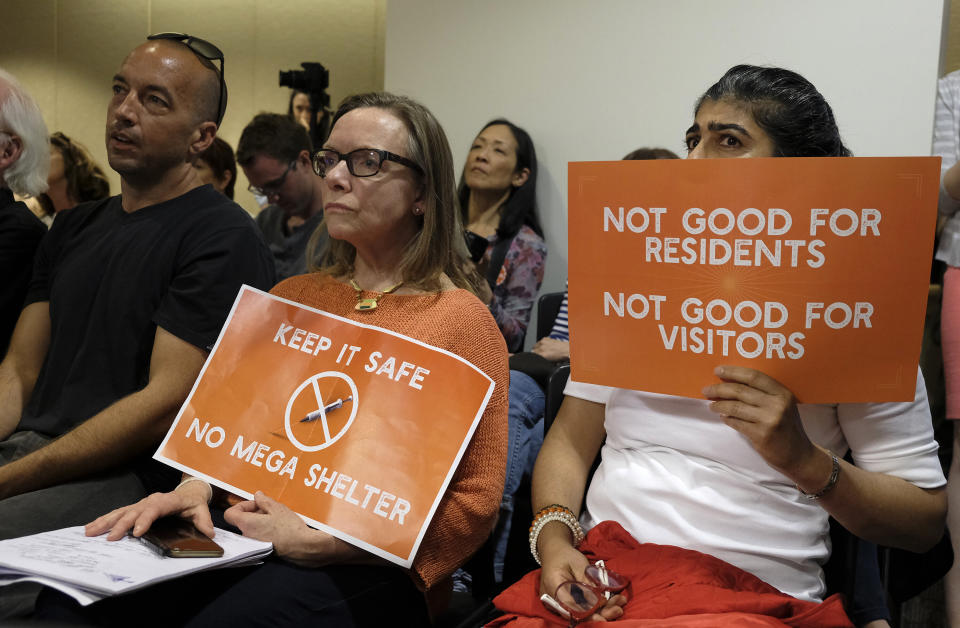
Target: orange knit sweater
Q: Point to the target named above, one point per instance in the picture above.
(457, 321)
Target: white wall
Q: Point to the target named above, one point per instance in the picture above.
(594, 80)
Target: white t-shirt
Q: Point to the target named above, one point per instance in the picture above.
(946, 144)
(674, 473)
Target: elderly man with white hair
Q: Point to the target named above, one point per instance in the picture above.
(24, 161)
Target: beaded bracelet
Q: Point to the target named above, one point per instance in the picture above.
(834, 476)
(209, 488)
(554, 512)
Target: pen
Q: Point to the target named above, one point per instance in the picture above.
(313, 416)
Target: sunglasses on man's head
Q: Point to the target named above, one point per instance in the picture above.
(205, 50)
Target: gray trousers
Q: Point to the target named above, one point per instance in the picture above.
(63, 505)
(60, 506)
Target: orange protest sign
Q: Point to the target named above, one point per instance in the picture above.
(327, 416)
(814, 271)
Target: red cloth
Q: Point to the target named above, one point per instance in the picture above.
(674, 587)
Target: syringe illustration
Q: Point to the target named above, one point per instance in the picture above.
(316, 414)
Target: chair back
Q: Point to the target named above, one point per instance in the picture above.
(548, 306)
(554, 397)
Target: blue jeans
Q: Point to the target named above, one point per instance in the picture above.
(525, 420)
(867, 602)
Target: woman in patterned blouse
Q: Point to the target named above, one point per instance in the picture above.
(498, 200)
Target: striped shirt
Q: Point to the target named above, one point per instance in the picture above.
(946, 144)
(561, 328)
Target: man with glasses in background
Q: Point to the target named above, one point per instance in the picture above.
(275, 154)
(128, 296)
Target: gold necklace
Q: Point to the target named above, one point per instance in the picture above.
(365, 305)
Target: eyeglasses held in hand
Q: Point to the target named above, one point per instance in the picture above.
(270, 189)
(580, 600)
(205, 50)
(363, 162)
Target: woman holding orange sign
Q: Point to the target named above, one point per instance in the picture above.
(395, 260)
(745, 475)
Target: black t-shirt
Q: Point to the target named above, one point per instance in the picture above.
(289, 247)
(20, 234)
(112, 277)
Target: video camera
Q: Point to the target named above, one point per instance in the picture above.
(312, 79)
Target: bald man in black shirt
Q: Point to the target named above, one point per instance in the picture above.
(128, 296)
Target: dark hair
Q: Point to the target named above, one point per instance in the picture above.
(274, 135)
(220, 159)
(293, 94)
(321, 121)
(439, 247)
(85, 179)
(786, 106)
(641, 154)
(46, 204)
(520, 207)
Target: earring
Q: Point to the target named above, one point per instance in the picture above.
(417, 211)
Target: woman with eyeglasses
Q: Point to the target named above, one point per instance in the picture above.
(746, 474)
(395, 261)
(497, 193)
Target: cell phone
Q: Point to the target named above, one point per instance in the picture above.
(178, 538)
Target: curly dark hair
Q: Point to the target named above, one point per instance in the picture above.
(786, 106)
(219, 156)
(86, 181)
(642, 154)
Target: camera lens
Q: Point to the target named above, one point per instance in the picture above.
(293, 79)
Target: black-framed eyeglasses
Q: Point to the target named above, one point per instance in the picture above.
(205, 50)
(363, 162)
(269, 189)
